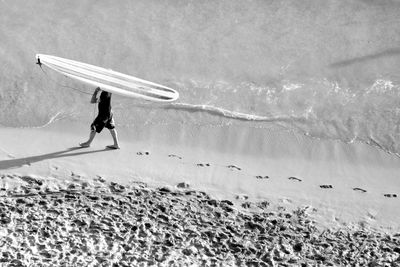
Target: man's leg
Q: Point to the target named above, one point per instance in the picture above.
(88, 142)
(115, 138)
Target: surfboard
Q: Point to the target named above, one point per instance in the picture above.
(109, 80)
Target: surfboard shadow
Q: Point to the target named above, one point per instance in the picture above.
(16, 163)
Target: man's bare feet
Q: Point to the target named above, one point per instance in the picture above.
(113, 147)
(85, 144)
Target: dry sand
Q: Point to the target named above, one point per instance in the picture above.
(95, 223)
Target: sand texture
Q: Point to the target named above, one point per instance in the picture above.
(97, 223)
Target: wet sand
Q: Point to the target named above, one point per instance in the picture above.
(348, 184)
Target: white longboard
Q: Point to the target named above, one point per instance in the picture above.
(109, 80)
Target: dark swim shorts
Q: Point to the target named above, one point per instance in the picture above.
(99, 123)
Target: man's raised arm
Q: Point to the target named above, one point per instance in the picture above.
(95, 99)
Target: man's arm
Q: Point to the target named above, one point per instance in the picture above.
(95, 99)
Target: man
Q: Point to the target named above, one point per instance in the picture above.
(103, 119)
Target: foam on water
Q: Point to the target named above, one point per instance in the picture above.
(319, 109)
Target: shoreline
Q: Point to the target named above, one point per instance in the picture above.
(90, 222)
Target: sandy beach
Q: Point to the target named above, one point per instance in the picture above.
(176, 206)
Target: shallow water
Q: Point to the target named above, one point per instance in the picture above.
(327, 69)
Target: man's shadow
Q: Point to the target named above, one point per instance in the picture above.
(16, 163)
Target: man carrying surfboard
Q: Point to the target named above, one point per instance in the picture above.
(103, 119)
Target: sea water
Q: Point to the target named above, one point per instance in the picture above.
(328, 70)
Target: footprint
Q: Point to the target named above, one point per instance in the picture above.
(295, 179)
(390, 195)
(262, 177)
(246, 205)
(31, 180)
(99, 179)
(174, 156)
(263, 204)
(143, 153)
(76, 176)
(234, 167)
(203, 164)
(326, 186)
(281, 208)
(242, 197)
(360, 189)
(55, 168)
(183, 185)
